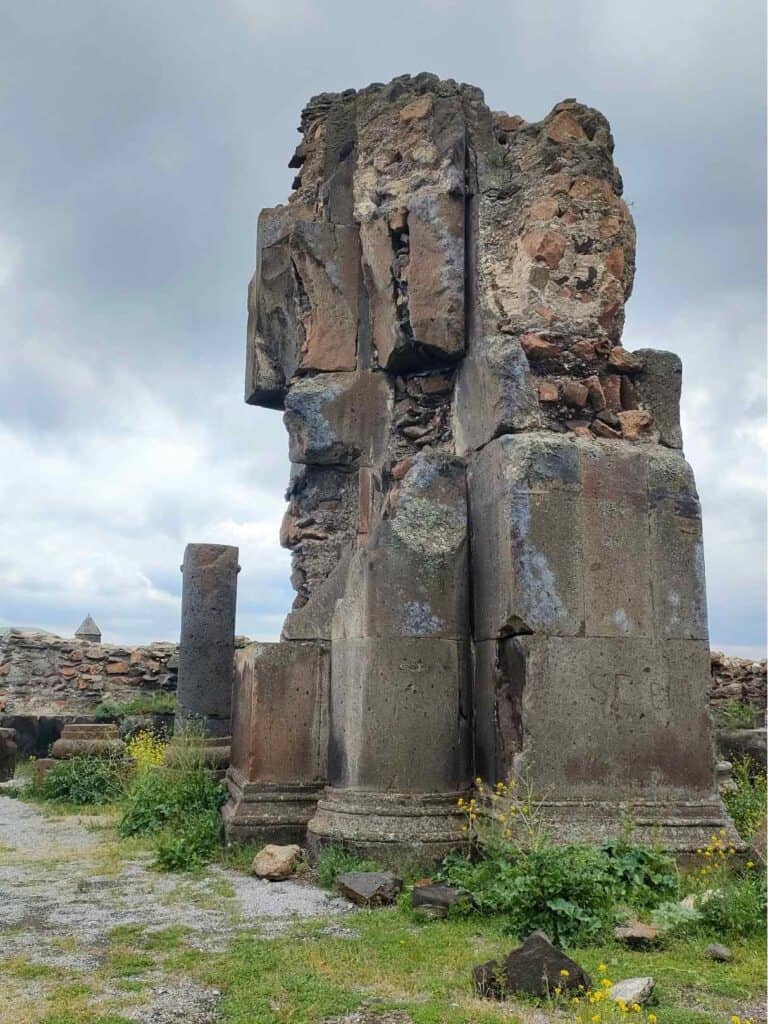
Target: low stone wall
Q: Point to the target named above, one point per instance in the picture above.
(43, 674)
(738, 680)
(47, 675)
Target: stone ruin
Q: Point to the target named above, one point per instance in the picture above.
(496, 538)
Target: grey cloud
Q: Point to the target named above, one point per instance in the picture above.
(142, 139)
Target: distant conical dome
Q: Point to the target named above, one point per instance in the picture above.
(88, 630)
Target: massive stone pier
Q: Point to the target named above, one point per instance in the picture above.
(496, 538)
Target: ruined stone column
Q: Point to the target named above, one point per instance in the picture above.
(207, 645)
(438, 311)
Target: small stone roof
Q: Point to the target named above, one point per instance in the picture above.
(88, 630)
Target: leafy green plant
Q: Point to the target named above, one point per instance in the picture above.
(737, 908)
(643, 876)
(566, 891)
(190, 845)
(747, 802)
(85, 780)
(161, 796)
(336, 860)
(736, 714)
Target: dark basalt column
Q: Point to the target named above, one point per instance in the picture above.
(207, 648)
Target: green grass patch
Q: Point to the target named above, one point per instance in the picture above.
(155, 703)
(425, 969)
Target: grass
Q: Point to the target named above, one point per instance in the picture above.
(425, 969)
(155, 703)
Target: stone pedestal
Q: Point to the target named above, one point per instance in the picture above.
(279, 747)
(207, 647)
(8, 753)
(87, 741)
(81, 740)
(592, 660)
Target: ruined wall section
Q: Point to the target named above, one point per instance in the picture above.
(45, 674)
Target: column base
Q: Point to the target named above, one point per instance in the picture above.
(262, 812)
(680, 826)
(400, 831)
(213, 752)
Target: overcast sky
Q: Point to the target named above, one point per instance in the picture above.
(140, 138)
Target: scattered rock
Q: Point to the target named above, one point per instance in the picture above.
(716, 951)
(536, 968)
(632, 990)
(635, 933)
(370, 888)
(276, 862)
(435, 900)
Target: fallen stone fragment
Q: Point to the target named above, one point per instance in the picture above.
(435, 900)
(370, 888)
(276, 862)
(715, 951)
(632, 990)
(635, 933)
(536, 968)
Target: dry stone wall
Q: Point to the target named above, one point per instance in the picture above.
(738, 679)
(43, 674)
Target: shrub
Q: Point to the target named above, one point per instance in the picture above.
(146, 750)
(336, 860)
(747, 803)
(643, 876)
(190, 845)
(160, 796)
(736, 714)
(85, 780)
(566, 891)
(570, 892)
(737, 908)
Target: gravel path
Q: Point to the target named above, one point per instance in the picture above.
(64, 888)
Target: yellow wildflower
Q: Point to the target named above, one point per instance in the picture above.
(565, 974)
(735, 1019)
(652, 1018)
(606, 982)
(602, 968)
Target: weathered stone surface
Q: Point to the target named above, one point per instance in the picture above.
(632, 991)
(207, 646)
(79, 740)
(536, 968)
(636, 933)
(44, 676)
(276, 862)
(491, 437)
(658, 388)
(280, 740)
(738, 743)
(716, 951)
(8, 753)
(437, 900)
(370, 888)
(335, 418)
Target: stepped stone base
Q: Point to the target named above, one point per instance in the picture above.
(681, 827)
(267, 812)
(87, 741)
(213, 751)
(402, 831)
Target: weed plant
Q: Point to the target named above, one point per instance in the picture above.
(86, 779)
